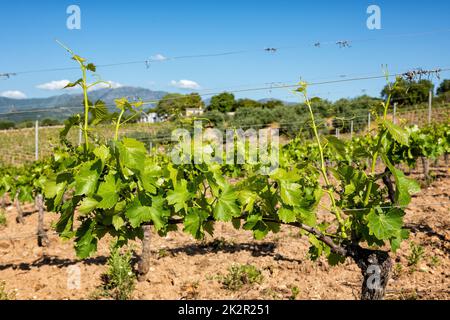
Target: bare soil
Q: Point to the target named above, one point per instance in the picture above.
(183, 268)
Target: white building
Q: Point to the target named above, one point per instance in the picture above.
(151, 117)
(193, 112)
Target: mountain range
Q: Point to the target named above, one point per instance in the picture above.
(61, 106)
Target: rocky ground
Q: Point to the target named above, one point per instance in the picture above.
(183, 268)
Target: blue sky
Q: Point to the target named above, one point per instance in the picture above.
(117, 31)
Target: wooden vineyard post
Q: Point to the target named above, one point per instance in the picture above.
(394, 115)
(19, 217)
(42, 235)
(144, 260)
(426, 161)
(430, 102)
(351, 129)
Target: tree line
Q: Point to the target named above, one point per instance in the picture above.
(224, 109)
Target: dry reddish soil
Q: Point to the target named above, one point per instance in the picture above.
(183, 268)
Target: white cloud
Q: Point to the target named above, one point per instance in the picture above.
(54, 85)
(108, 84)
(13, 94)
(158, 57)
(185, 84)
(60, 84)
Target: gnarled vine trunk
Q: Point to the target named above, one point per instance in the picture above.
(375, 268)
(144, 260)
(388, 183)
(436, 162)
(42, 235)
(19, 217)
(426, 169)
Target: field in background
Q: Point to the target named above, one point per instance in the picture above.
(18, 146)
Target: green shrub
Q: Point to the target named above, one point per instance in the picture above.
(5, 125)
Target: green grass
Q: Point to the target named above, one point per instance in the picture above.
(4, 295)
(119, 281)
(240, 275)
(294, 293)
(162, 253)
(417, 253)
(3, 221)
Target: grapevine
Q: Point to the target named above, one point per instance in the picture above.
(117, 188)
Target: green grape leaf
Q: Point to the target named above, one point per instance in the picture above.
(403, 234)
(78, 58)
(290, 193)
(73, 84)
(158, 214)
(87, 205)
(334, 259)
(118, 222)
(99, 112)
(193, 222)
(179, 196)
(226, 207)
(91, 67)
(137, 214)
(307, 216)
(102, 152)
(399, 134)
(261, 231)
(54, 190)
(132, 154)
(107, 190)
(404, 187)
(338, 146)
(123, 104)
(87, 178)
(251, 221)
(65, 223)
(287, 215)
(68, 124)
(247, 198)
(150, 176)
(86, 243)
(385, 225)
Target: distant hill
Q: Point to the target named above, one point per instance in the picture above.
(62, 106)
